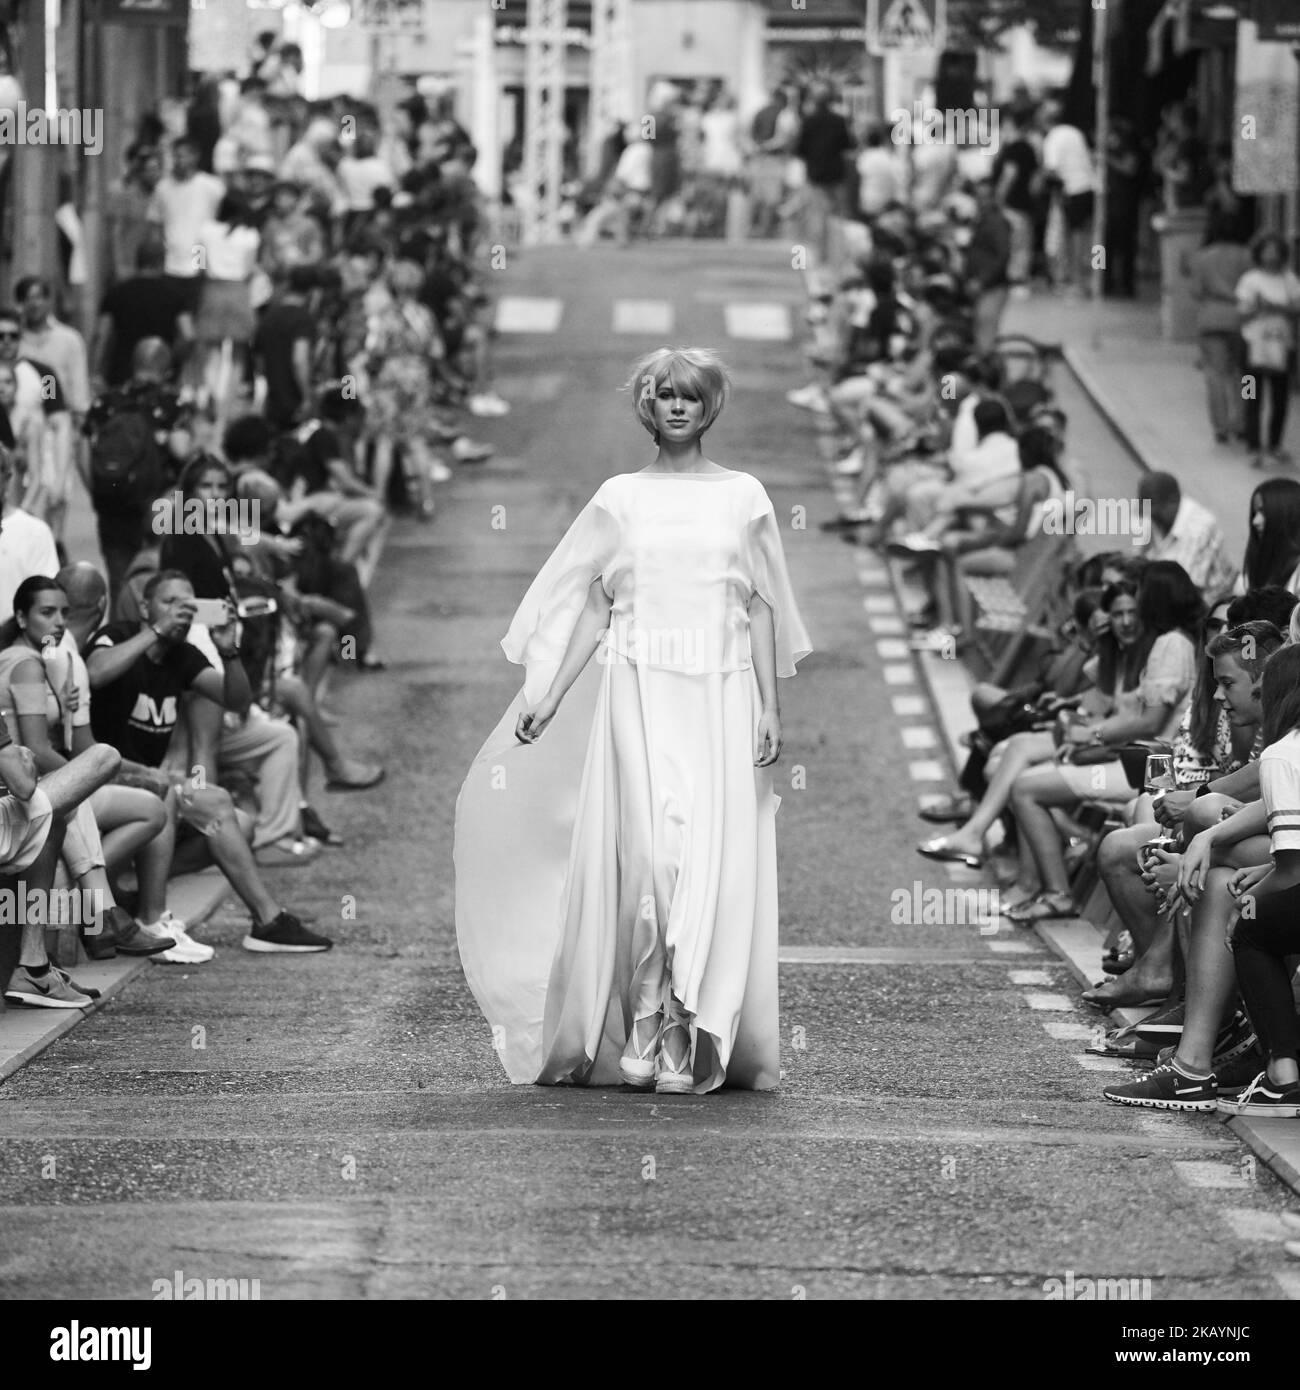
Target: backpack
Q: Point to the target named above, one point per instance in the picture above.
(126, 467)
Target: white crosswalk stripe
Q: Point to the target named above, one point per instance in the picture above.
(649, 316)
(758, 322)
(517, 313)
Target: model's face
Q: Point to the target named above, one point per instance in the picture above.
(47, 617)
(1235, 688)
(678, 415)
(1256, 511)
(1124, 620)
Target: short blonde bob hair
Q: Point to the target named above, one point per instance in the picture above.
(693, 371)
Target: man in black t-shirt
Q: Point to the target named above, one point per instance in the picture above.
(149, 305)
(1013, 176)
(823, 143)
(140, 676)
(283, 346)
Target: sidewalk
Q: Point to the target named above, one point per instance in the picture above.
(1153, 395)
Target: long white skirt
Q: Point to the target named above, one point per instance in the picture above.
(634, 843)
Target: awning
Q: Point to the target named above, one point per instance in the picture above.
(1190, 25)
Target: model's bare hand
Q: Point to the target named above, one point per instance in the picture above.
(768, 748)
(532, 723)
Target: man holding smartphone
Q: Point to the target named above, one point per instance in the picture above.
(139, 678)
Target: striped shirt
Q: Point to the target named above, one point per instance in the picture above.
(1279, 785)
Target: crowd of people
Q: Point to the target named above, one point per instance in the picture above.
(1172, 647)
(295, 333)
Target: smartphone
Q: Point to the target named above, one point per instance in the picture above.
(211, 612)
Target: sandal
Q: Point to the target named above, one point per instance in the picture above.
(938, 849)
(1043, 907)
(670, 1080)
(637, 1065)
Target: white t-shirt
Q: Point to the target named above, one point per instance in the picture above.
(634, 166)
(1279, 786)
(880, 180)
(360, 178)
(26, 548)
(1066, 154)
(182, 208)
(230, 253)
(721, 131)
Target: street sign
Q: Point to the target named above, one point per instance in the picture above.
(391, 17)
(1278, 21)
(904, 23)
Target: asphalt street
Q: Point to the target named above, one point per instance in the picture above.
(338, 1127)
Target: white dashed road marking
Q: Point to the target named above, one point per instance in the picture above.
(1049, 1003)
(918, 736)
(1012, 948)
(1067, 1032)
(878, 603)
(520, 314)
(909, 707)
(885, 627)
(927, 771)
(899, 675)
(650, 316)
(1030, 977)
(1216, 1175)
(1090, 1063)
(761, 322)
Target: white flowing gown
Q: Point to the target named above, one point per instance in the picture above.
(639, 815)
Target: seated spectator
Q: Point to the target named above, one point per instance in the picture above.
(139, 679)
(45, 701)
(1218, 866)
(1184, 531)
(1273, 543)
(1216, 739)
(32, 820)
(1158, 661)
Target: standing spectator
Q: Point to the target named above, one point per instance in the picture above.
(182, 204)
(1224, 206)
(283, 346)
(290, 236)
(47, 340)
(767, 165)
(37, 391)
(988, 258)
(26, 543)
(1183, 159)
(665, 162)
(1215, 272)
(1123, 208)
(823, 143)
(1067, 163)
(1268, 300)
(721, 158)
(126, 214)
(880, 179)
(224, 325)
(128, 430)
(1013, 170)
(311, 164)
(148, 305)
(362, 170)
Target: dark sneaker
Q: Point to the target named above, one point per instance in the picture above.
(316, 829)
(285, 933)
(100, 945)
(1163, 1026)
(125, 933)
(1262, 1098)
(1236, 1039)
(1233, 1075)
(1166, 1088)
(46, 991)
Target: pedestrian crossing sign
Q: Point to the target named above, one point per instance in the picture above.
(903, 23)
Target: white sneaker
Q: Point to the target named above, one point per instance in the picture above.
(810, 397)
(851, 465)
(488, 403)
(186, 951)
(439, 471)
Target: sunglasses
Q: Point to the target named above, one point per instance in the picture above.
(6, 335)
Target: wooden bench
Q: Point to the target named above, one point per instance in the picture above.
(1016, 612)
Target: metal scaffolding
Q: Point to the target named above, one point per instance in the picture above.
(543, 121)
(611, 72)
